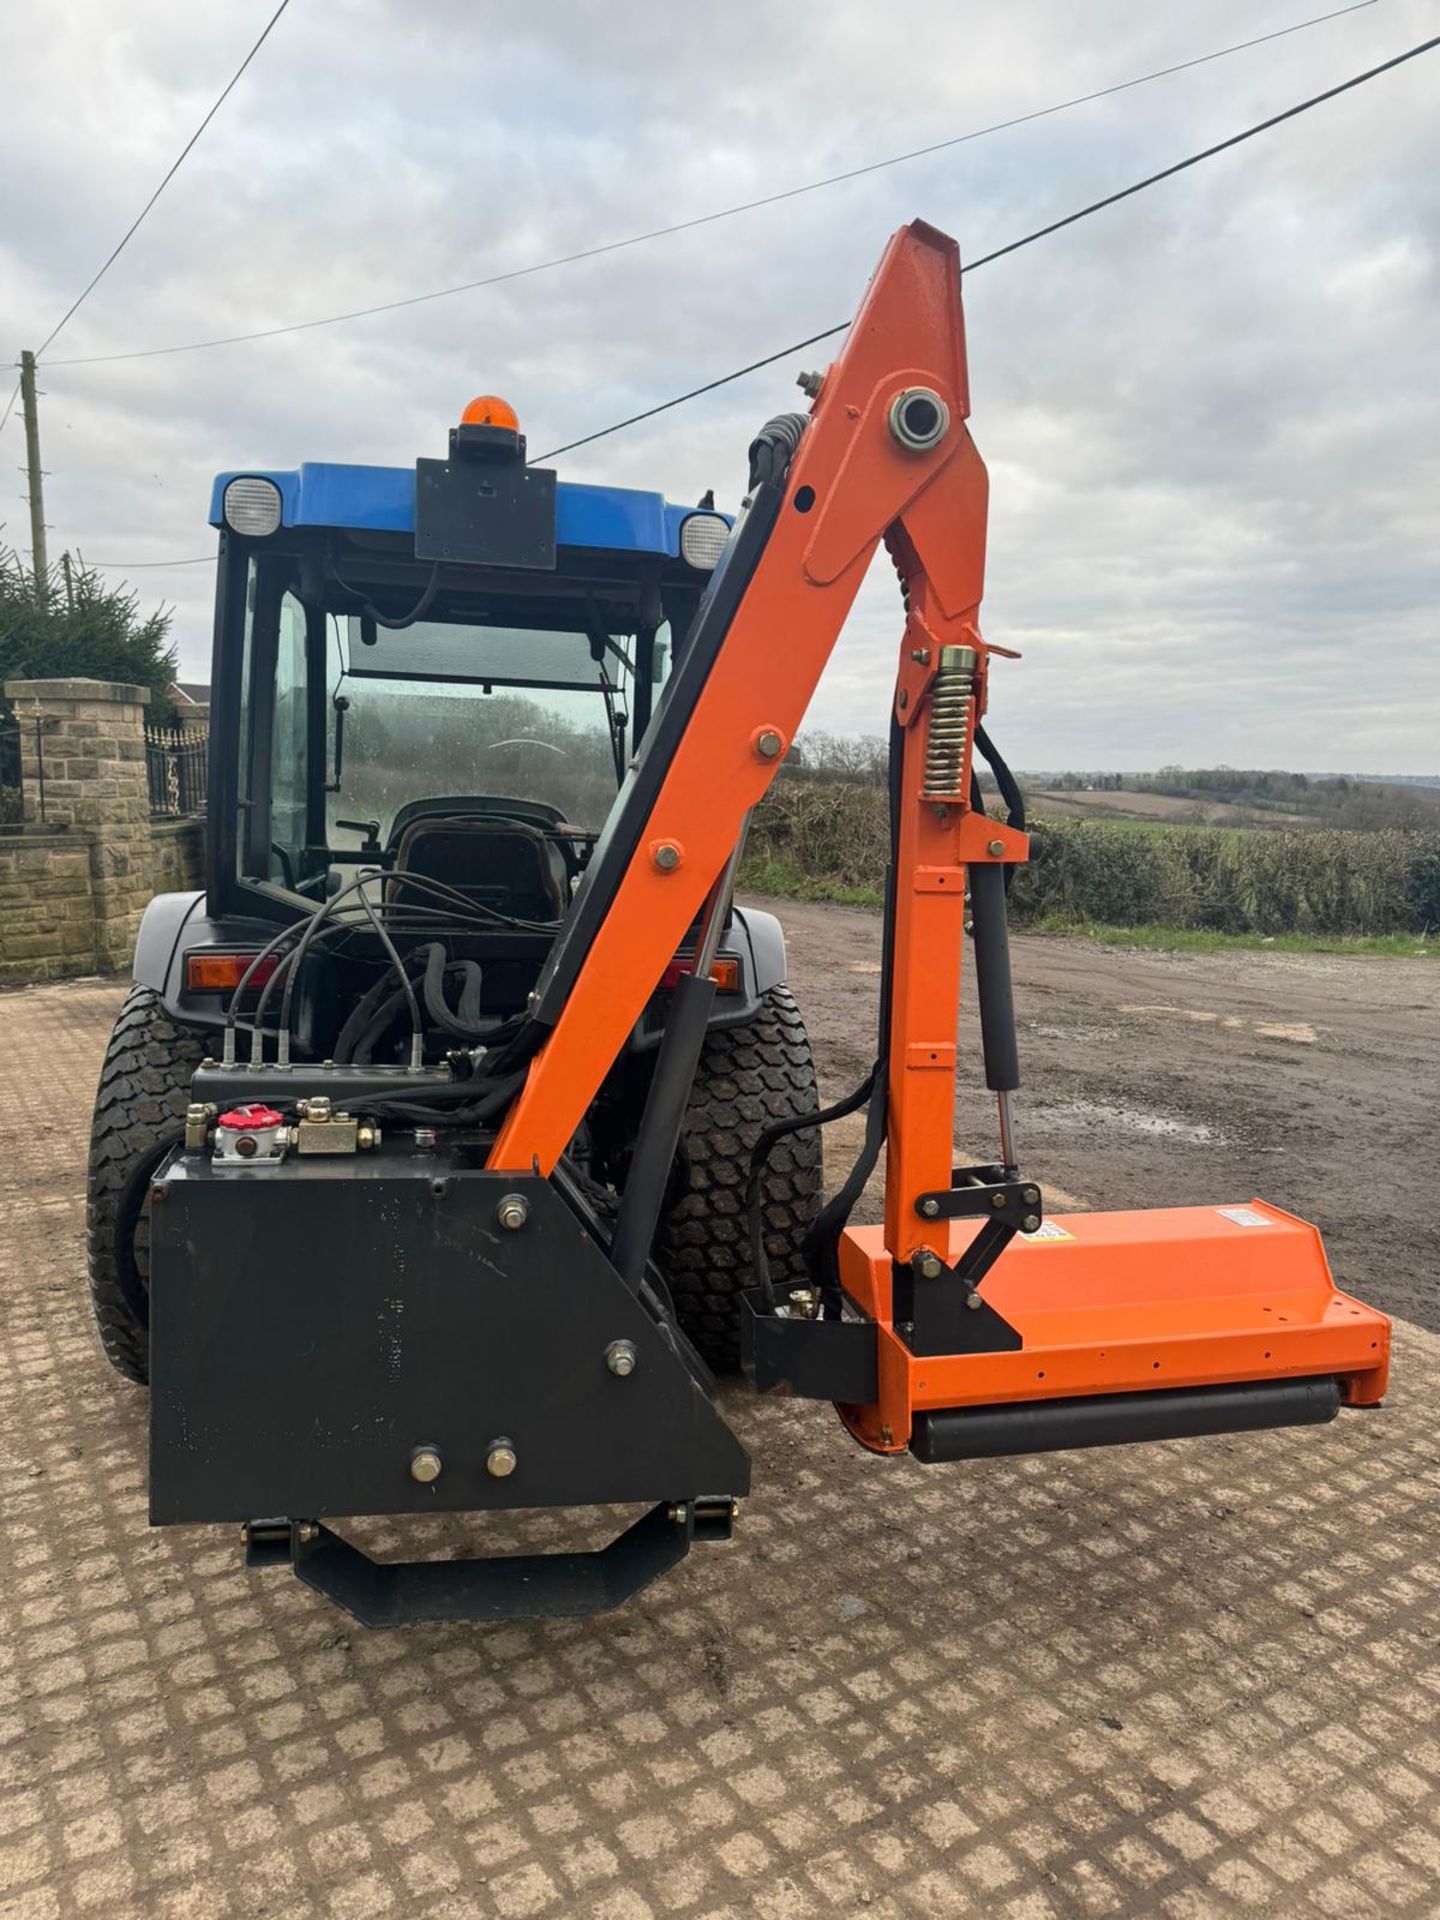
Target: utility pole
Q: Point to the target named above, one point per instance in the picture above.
(35, 479)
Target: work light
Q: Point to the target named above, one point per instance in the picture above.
(702, 539)
(252, 506)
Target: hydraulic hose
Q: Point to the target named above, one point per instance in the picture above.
(464, 1023)
(773, 448)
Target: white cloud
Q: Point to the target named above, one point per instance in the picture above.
(1211, 414)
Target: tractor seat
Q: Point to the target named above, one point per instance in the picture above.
(506, 865)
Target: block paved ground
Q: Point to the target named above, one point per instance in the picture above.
(1185, 1681)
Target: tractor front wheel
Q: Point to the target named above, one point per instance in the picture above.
(748, 1077)
(139, 1116)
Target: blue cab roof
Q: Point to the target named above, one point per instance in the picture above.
(382, 500)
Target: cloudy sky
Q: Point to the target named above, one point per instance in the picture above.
(1211, 415)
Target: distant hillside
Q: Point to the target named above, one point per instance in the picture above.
(1238, 797)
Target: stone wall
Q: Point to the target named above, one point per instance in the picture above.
(178, 850)
(47, 914)
(74, 885)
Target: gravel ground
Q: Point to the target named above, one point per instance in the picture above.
(1184, 1681)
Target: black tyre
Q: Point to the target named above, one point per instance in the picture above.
(748, 1076)
(139, 1113)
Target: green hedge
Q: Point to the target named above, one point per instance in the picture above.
(830, 839)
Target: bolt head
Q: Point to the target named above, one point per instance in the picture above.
(810, 383)
(930, 1208)
(997, 1199)
(1032, 1196)
(620, 1358)
(512, 1212)
(425, 1465)
(769, 744)
(1031, 1223)
(500, 1459)
(928, 1265)
(974, 1302)
(667, 856)
(995, 849)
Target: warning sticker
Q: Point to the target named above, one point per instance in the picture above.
(1244, 1216)
(1051, 1230)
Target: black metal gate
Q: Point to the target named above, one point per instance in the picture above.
(176, 763)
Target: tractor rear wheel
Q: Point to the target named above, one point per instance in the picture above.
(139, 1115)
(748, 1077)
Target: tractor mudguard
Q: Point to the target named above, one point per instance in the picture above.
(157, 945)
(766, 940)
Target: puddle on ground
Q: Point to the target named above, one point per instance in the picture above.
(1300, 1031)
(1093, 1113)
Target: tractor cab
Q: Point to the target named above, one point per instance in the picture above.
(394, 693)
(436, 677)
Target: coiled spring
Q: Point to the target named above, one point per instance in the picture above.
(952, 720)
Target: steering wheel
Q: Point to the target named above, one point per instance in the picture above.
(527, 740)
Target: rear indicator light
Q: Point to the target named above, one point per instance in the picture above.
(222, 972)
(725, 973)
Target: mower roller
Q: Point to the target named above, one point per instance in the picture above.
(448, 1238)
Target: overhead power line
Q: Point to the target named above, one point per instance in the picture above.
(175, 167)
(135, 566)
(708, 219)
(1014, 246)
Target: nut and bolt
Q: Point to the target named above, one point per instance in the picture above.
(1032, 1196)
(998, 1199)
(667, 856)
(810, 384)
(930, 1208)
(921, 656)
(308, 1531)
(367, 1135)
(995, 849)
(680, 1512)
(425, 1138)
(620, 1358)
(974, 1302)
(1031, 1223)
(769, 744)
(500, 1458)
(928, 1265)
(425, 1465)
(512, 1212)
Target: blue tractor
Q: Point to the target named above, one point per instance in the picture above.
(432, 680)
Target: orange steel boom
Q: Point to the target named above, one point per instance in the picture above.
(1093, 1311)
